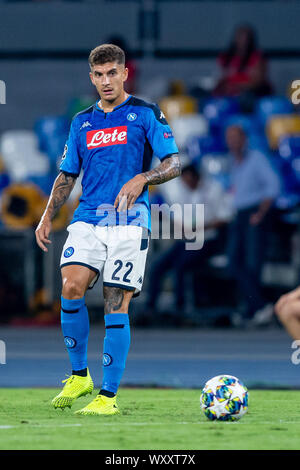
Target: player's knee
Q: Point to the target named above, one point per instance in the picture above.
(72, 289)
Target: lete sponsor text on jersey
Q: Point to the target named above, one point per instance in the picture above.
(106, 137)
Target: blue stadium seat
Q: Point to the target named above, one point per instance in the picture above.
(246, 121)
(269, 106)
(216, 110)
(4, 181)
(52, 132)
(290, 182)
(289, 147)
(209, 144)
(44, 182)
(289, 151)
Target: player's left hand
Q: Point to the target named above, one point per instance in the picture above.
(129, 193)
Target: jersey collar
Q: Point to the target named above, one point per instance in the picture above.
(116, 107)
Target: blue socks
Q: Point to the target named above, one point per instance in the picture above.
(115, 350)
(75, 327)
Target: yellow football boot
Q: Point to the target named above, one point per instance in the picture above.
(101, 405)
(75, 387)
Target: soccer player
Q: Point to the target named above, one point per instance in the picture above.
(112, 142)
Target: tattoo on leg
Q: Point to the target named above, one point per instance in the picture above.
(113, 299)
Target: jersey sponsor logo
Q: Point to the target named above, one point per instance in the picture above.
(106, 137)
(68, 252)
(107, 359)
(131, 116)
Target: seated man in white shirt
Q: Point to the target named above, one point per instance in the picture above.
(191, 188)
(255, 186)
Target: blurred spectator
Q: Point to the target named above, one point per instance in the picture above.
(131, 82)
(177, 103)
(192, 188)
(255, 186)
(243, 69)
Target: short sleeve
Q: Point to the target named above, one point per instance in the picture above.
(71, 160)
(159, 133)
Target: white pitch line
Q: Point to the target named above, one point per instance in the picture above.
(39, 425)
(229, 423)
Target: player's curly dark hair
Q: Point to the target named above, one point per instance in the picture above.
(106, 53)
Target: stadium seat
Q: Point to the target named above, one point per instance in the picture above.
(44, 182)
(247, 122)
(175, 106)
(177, 103)
(52, 133)
(289, 196)
(280, 126)
(21, 155)
(289, 147)
(217, 167)
(270, 106)
(4, 178)
(22, 204)
(289, 150)
(196, 147)
(185, 127)
(216, 110)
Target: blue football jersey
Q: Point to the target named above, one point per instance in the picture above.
(111, 148)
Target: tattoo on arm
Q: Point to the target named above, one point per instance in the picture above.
(168, 169)
(113, 298)
(61, 190)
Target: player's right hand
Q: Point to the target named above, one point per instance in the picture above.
(42, 233)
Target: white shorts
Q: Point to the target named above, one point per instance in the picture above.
(120, 250)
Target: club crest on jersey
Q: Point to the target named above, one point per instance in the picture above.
(68, 252)
(131, 117)
(106, 137)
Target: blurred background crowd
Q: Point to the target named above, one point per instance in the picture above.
(226, 88)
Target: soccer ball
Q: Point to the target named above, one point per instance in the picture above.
(224, 398)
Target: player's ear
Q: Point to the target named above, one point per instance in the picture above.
(125, 74)
(92, 78)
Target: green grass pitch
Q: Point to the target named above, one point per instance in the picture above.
(151, 419)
